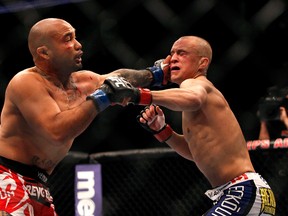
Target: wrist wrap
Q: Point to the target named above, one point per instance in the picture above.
(145, 96)
(164, 134)
(100, 99)
(158, 75)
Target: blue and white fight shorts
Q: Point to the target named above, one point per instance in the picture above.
(248, 194)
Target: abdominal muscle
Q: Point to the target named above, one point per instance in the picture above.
(33, 152)
(222, 162)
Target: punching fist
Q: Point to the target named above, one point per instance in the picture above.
(152, 119)
(123, 91)
(117, 90)
(120, 90)
(161, 72)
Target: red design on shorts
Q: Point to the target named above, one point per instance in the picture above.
(241, 177)
(21, 196)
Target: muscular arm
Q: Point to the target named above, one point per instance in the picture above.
(138, 78)
(44, 115)
(189, 97)
(157, 75)
(141, 78)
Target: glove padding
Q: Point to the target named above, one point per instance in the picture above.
(155, 123)
(121, 90)
(117, 90)
(160, 72)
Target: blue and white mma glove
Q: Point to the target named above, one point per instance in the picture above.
(116, 90)
(160, 76)
(158, 121)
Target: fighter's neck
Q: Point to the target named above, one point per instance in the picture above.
(60, 81)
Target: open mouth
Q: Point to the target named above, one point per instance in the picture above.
(174, 68)
(79, 57)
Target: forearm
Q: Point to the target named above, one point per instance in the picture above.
(156, 75)
(69, 124)
(152, 119)
(138, 78)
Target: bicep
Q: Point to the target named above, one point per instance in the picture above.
(34, 102)
(197, 92)
(185, 98)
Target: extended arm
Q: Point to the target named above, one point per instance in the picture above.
(189, 97)
(157, 75)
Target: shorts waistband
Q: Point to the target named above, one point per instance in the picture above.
(244, 177)
(215, 193)
(25, 170)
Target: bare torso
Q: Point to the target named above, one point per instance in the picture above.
(215, 139)
(21, 136)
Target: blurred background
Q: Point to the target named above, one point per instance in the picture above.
(249, 40)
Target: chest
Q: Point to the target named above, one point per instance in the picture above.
(73, 95)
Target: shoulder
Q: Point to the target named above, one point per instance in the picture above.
(23, 84)
(200, 82)
(202, 86)
(86, 75)
(24, 78)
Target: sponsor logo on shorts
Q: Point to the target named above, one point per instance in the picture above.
(39, 193)
(268, 205)
(231, 203)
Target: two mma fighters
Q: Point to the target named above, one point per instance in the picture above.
(51, 103)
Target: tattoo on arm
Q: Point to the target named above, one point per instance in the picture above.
(138, 78)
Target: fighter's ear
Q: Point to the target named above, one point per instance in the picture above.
(204, 62)
(42, 51)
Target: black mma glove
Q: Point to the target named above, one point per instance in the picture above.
(115, 90)
(161, 76)
(164, 132)
(122, 89)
